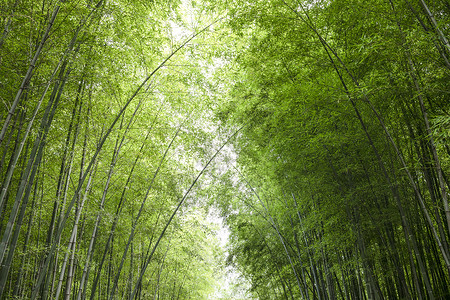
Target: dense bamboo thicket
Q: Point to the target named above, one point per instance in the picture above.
(99, 148)
(319, 129)
(343, 182)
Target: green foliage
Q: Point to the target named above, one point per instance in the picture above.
(310, 82)
(132, 186)
(327, 189)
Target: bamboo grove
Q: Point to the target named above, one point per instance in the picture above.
(342, 186)
(99, 148)
(318, 129)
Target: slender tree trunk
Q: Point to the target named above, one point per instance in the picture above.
(11, 166)
(26, 243)
(435, 25)
(21, 117)
(7, 26)
(160, 271)
(70, 273)
(63, 269)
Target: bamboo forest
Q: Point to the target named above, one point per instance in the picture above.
(226, 149)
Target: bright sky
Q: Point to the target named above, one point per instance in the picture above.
(233, 286)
